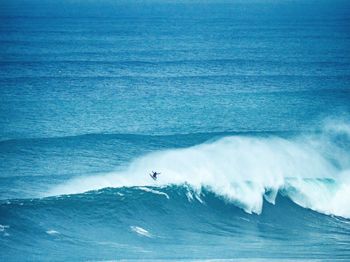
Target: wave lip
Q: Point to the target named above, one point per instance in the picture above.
(311, 170)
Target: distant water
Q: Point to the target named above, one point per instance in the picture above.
(243, 106)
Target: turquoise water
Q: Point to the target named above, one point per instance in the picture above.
(242, 106)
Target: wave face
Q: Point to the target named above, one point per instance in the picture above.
(152, 222)
(313, 171)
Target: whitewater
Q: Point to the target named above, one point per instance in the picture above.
(312, 170)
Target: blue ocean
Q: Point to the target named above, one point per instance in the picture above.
(243, 107)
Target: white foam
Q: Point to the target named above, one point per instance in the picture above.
(337, 127)
(141, 231)
(3, 227)
(147, 189)
(244, 170)
(189, 196)
(327, 197)
(52, 232)
(199, 199)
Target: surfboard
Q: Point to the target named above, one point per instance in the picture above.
(154, 178)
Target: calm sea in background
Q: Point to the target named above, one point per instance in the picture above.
(243, 106)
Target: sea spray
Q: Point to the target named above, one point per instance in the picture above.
(310, 169)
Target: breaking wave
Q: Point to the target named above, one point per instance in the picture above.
(313, 170)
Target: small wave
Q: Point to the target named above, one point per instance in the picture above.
(136, 137)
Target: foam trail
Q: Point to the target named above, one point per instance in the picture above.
(141, 231)
(245, 170)
(146, 189)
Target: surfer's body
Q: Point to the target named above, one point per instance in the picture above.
(154, 175)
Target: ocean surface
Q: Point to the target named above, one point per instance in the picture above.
(243, 106)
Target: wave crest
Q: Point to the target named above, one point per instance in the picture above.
(312, 170)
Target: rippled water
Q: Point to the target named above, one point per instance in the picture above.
(242, 106)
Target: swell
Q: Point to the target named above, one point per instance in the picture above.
(224, 61)
(166, 55)
(139, 137)
(201, 77)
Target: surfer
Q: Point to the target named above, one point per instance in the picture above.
(154, 175)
